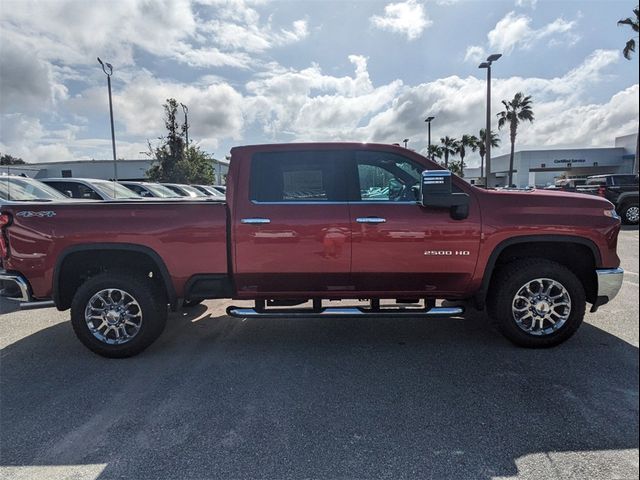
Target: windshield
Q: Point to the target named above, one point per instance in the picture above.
(194, 192)
(113, 189)
(212, 191)
(161, 190)
(27, 189)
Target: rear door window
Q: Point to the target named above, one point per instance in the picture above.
(625, 180)
(302, 176)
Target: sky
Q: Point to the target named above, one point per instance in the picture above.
(260, 71)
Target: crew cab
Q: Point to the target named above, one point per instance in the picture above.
(378, 226)
(619, 189)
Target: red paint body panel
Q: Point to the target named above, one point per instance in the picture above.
(189, 237)
(318, 249)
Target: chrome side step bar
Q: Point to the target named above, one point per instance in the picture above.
(341, 312)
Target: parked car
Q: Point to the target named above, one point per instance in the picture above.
(91, 188)
(567, 184)
(221, 188)
(621, 190)
(25, 189)
(295, 229)
(209, 191)
(185, 190)
(150, 190)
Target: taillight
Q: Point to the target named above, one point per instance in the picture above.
(5, 219)
(601, 191)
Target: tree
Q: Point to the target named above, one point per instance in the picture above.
(467, 141)
(515, 111)
(6, 159)
(433, 152)
(457, 168)
(449, 147)
(628, 49)
(630, 46)
(175, 163)
(482, 146)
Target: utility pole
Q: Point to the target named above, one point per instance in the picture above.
(428, 120)
(406, 141)
(186, 125)
(105, 67)
(487, 136)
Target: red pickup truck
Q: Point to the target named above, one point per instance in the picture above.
(305, 224)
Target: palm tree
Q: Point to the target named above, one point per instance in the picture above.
(515, 111)
(467, 141)
(449, 147)
(434, 151)
(630, 46)
(482, 147)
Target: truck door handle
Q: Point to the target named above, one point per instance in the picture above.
(370, 220)
(255, 221)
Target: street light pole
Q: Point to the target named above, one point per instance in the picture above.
(406, 140)
(186, 125)
(487, 133)
(428, 120)
(105, 67)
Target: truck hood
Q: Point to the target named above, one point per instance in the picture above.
(553, 197)
(544, 208)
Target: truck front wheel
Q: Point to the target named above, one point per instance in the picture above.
(536, 303)
(630, 213)
(118, 315)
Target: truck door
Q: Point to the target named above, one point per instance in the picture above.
(399, 246)
(292, 233)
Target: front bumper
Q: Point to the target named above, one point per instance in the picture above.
(609, 285)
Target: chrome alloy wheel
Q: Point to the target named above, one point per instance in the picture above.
(632, 214)
(113, 316)
(541, 306)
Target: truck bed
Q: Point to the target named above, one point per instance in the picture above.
(189, 237)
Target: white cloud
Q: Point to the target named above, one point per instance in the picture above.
(515, 30)
(408, 18)
(527, 3)
(27, 84)
(74, 32)
(475, 53)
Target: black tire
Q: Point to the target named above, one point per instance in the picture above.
(192, 303)
(509, 281)
(629, 213)
(153, 309)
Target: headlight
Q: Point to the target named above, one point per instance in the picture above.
(612, 214)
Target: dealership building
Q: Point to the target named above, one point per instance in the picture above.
(541, 168)
(103, 169)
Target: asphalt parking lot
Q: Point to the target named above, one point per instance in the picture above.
(221, 398)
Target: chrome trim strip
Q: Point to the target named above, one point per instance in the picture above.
(370, 220)
(22, 284)
(255, 221)
(344, 312)
(609, 282)
(354, 202)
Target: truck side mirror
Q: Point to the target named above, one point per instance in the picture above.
(436, 192)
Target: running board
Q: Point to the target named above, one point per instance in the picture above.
(339, 312)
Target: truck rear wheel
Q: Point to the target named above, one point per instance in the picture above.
(630, 214)
(117, 315)
(536, 303)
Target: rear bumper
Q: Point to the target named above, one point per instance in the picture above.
(15, 287)
(609, 285)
